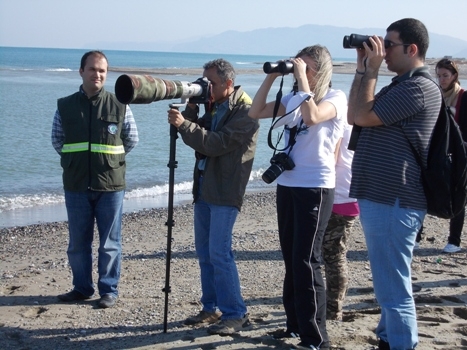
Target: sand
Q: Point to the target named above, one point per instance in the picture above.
(34, 270)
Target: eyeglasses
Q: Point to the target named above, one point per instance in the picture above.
(389, 43)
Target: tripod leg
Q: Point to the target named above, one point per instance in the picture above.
(170, 222)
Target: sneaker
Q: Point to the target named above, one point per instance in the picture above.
(107, 300)
(451, 248)
(203, 317)
(74, 295)
(229, 327)
(283, 333)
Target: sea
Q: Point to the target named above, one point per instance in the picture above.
(31, 81)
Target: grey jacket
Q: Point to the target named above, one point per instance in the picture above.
(229, 150)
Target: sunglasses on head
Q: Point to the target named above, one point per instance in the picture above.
(446, 64)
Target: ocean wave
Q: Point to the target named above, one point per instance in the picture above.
(22, 201)
(35, 200)
(161, 190)
(29, 201)
(59, 70)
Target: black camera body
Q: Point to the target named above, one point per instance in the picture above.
(279, 162)
(355, 41)
(282, 66)
(205, 96)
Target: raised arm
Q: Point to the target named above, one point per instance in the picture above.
(260, 108)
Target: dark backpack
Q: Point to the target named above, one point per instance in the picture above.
(445, 176)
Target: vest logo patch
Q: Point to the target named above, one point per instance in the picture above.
(112, 129)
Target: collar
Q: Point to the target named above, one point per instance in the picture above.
(90, 97)
(410, 73)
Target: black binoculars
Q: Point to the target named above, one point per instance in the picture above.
(283, 67)
(355, 41)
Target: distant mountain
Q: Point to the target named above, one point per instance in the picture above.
(285, 42)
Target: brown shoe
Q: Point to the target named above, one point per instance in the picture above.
(203, 317)
(229, 327)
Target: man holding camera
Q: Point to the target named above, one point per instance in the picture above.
(385, 173)
(224, 140)
(92, 132)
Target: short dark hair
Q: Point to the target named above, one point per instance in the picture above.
(412, 31)
(89, 53)
(225, 70)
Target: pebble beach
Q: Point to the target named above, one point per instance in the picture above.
(34, 270)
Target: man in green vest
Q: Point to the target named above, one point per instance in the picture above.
(92, 132)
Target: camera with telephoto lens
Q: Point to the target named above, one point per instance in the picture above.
(282, 66)
(279, 162)
(142, 89)
(355, 41)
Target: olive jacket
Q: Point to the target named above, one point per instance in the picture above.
(229, 150)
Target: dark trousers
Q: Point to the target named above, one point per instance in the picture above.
(456, 224)
(302, 215)
(455, 228)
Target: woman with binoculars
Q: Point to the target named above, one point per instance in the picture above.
(313, 116)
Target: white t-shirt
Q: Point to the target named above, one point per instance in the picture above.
(313, 152)
(344, 169)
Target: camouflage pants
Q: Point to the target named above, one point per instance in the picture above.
(334, 253)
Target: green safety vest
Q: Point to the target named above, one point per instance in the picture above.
(93, 156)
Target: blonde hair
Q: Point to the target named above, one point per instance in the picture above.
(321, 56)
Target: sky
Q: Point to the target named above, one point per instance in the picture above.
(76, 24)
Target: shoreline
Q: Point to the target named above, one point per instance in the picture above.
(338, 68)
(56, 213)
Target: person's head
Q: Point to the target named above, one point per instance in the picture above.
(409, 42)
(448, 73)
(221, 74)
(319, 69)
(93, 71)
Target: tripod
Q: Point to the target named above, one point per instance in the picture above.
(170, 222)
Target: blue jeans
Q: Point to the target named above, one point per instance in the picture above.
(220, 283)
(106, 209)
(390, 233)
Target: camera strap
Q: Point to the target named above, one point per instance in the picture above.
(293, 130)
(278, 101)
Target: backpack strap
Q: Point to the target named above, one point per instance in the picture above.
(458, 105)
(425, 74)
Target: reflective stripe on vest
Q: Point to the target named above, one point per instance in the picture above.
(75, 147)
(96, 148)
(107, 149)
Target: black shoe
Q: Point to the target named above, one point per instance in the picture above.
(283, 333)
(383, 345)
(74, 295)
(304, 346)
(106, 301)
